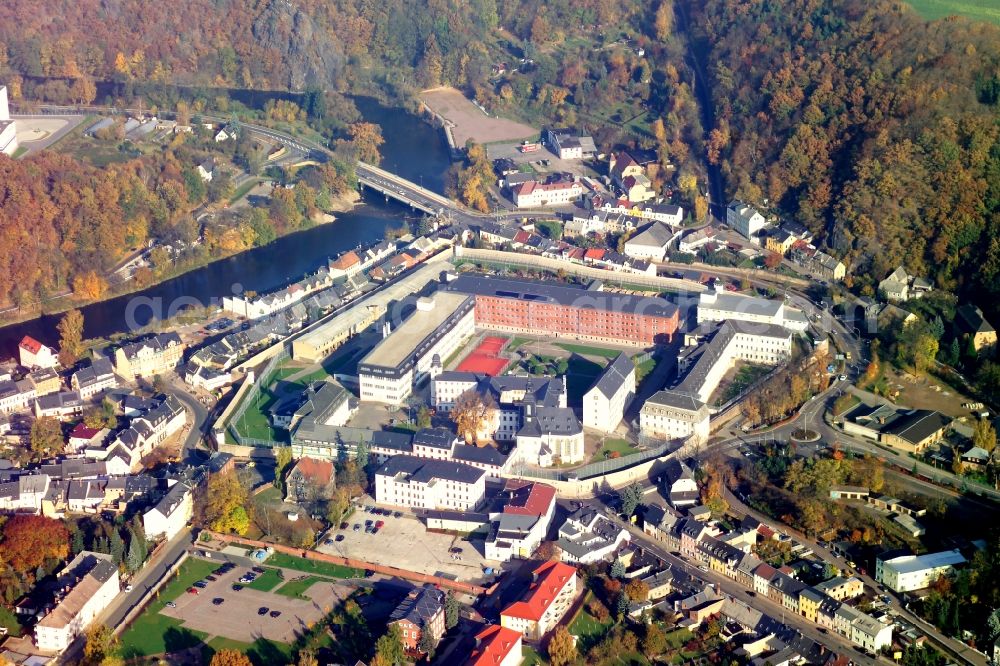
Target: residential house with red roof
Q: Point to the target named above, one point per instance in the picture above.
(33, 354)
(546, 602)
(83, 437)
(345, 265)
(533, 194)
(310, 479)
(496, 646)
(524, 522)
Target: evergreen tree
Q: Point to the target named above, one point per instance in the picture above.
(451, 610)
(117, 547)
(77, 544)
(621, 606)
(362, 455)
(617, 569)
(136, 552)
(426, 644)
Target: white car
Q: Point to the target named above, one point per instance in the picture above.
(843, 378)
(128, 588)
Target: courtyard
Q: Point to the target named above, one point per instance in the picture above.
(405, 543)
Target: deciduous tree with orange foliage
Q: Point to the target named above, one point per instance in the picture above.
(28, 542)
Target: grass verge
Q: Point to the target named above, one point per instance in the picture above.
(326, 569)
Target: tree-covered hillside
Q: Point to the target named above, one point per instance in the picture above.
(876, 129)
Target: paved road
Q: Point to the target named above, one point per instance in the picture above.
(200, 427)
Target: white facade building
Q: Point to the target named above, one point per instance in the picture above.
(745, 220)
(8, 128)
(716, 305)
(170, 515)
(534, 194)
(92, 582)
(915, 572)
(549, 597)
(423, 483)
(674, 415)
(440, 326)
(33, 354)
(605, 403)
(649, 243)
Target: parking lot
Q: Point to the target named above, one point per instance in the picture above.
(404, 542)
(237, 617)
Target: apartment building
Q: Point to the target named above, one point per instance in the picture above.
(94, 379)
(33, 354)
(547, 599)
(588, 536)
(527, 513)
(496, 646)
(421, 611)
(90, 582)
(745, 220)
(533, 194)
(171, 514)
(423, 483)
(149, 357)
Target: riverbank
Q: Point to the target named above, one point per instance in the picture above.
(345, 202)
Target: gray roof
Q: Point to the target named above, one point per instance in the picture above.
(972, 320)
(547, 292)
(917, 425)
(614, 376)
(172, 499)
(484, 455)
(438, 438)
(657, 234)
(677, 400)
(715, 349)
(157, 342)
(419, 606)
(551, 421)
(61, 400)
(399, 441)
(743, 304)
(424, 470)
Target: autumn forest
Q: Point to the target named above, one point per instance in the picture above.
(874, 128)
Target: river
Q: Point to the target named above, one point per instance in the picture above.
(413, 149)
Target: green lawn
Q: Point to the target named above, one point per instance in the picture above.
(587, 350)
(587, 629)
(266, 581)
(297, 588)
(262, 652)
(977, 10)
(153, 633)
(620, 446)
(518, 342)
(531, 657)
(327, 569)
(643, 369)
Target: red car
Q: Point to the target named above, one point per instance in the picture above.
(380, 524)
(193, 590)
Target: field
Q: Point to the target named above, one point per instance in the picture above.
(297, 588)
(978, 10)
(470, 122)
(611, 447)
(265, 582)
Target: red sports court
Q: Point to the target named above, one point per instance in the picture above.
(485, 358)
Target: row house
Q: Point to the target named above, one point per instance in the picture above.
(165, 417)
(16, 396)
(94, 379)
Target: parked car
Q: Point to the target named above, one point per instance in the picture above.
(397, 514)
(193, 590)
(202, 584)
(259, 569)
(357, 526)
(380, 524)
(275, 613)
(340, 537)
(343, 526)
(374, 530)
(454, 550)
(263, 610)
(218, 601)
(171, 604)
(211, 577)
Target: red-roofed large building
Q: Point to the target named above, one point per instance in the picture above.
(33, 354)
(348, 263)
(496, 646)
(524, 522)
(547, 600)
(310, 477)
